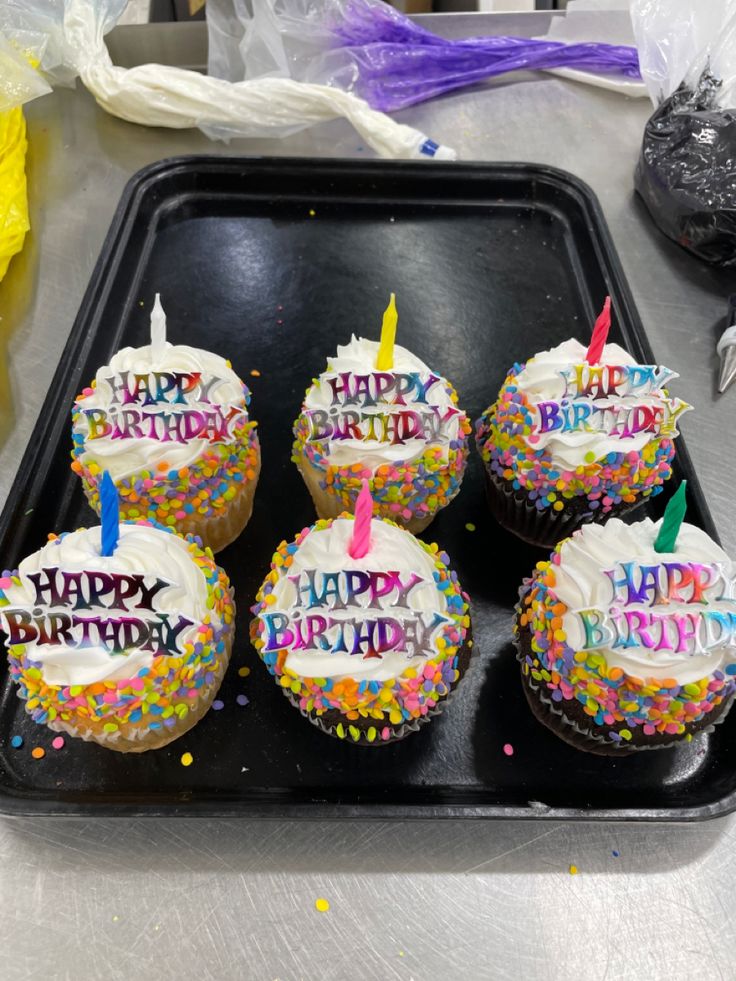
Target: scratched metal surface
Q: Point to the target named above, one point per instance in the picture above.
(115, 899)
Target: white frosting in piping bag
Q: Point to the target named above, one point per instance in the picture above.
(359, 357)
(392, 550)
(141, 550)
(581, 583)
(122, 458)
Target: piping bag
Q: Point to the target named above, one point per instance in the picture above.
(161, 95)
(726, 348)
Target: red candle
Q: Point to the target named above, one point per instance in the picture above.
(600, 334)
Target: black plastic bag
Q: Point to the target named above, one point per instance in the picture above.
(687, 170)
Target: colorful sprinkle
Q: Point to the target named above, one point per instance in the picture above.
(508, 749)
(38, 752)
(242, 699)
(218, 704)
(243, 672)
(255, 372)
(16, 742)
(573, 870)
(187, 759)
(469, 526)
(322, 905)
(615, 853)
(57, 742)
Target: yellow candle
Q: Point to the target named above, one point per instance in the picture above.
(385, 358)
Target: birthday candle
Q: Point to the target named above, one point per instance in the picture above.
(385, 357)
(158, 329)
(109, 514)
(361, 540)
(674, 515)
(600, 334)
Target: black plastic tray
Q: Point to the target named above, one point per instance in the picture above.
(272, 262)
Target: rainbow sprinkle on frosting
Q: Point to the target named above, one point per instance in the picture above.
(616, 703)
(401, 490)
(506, 444)
(372, 710)
(156, 698)
(169, 496)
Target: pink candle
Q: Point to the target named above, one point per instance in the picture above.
(361, 540)
(600, 334)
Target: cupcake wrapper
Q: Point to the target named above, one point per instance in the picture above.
(551, 715)
(132, 738)
(397, 732)
(545, 527)
(329, 505)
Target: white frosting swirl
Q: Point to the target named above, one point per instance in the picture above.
(359, 357)
(541, 380)
(581, 584)
(141, 549)
(124, 457)
(392, 550)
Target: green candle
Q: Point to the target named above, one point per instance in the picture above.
(673, 517)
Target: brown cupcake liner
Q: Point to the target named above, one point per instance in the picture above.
(467, 656)
(552, 715)
(544, 528)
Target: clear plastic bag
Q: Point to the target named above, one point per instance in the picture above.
(686, 169)
(369, 48)
(159, 95)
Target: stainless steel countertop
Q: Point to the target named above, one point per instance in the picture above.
(118, 899)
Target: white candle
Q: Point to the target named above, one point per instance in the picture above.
(158, 329)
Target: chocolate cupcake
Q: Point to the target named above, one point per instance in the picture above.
(627, 643)
(367, 646)
(577, 435)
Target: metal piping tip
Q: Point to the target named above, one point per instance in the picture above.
(728, 368)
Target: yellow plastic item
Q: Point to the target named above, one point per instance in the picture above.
(13, 197)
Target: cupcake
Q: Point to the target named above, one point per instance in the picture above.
(367, 645)
(627, 643)
(577, 435)
(170, 424)
(378, 412)
(126, 650)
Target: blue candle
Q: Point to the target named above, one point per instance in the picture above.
(109, 514)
